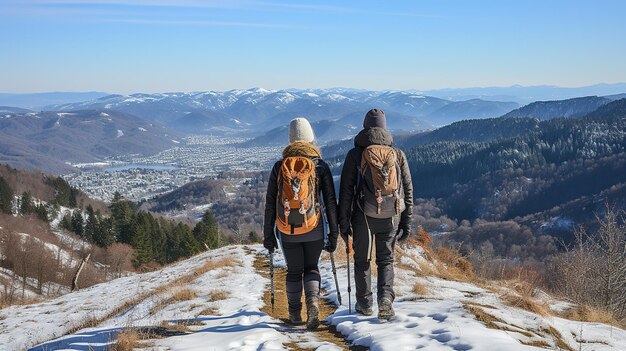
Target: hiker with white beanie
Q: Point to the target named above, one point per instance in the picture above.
(300, 188)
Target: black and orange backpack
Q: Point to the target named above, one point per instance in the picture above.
(298, 205)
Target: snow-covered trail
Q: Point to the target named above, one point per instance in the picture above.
(220, 310)
(443, 318)
(214, 301)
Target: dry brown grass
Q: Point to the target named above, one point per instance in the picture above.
(451, 265)
(536, 343)
(210, 311)
(223, 274)
(526, 303)
(181, 326)
(127, 340)
(585, 313)
(558, 339)
(491, 321)
(184, 295)
(218, 295)
(484, 317)
(209, 266)
(420, 289)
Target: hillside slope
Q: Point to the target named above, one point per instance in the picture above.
(48, 140)
(543, 110)
(216, 300)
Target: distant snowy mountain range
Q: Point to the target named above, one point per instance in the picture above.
(258, 110)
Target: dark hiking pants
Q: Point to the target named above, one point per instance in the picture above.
(302, 270)
(369, 233)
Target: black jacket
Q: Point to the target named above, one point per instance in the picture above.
(347, 188)
(325, 187)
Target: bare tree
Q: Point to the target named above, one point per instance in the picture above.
(610, 242)
(594, 271)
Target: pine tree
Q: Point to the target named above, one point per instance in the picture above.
(41, 212)
(188, 244)
(78, 222)
(104, 234)
(206, 231)
(27, 206)
(6, 197)
(64, 194)
(172, 247)
(66, 222)
(140, 239)
(91, 226)
(122, 212)
(158, 240)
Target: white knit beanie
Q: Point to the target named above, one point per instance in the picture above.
(300, 130)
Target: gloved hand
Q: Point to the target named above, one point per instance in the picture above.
(270, 244)
(331, 245)
(346, 234)
(404, 228)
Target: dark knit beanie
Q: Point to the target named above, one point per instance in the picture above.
(375, 118)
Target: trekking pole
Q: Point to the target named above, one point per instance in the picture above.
(272, 280)
(332, 263)
(349, 286)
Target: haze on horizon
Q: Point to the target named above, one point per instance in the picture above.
(127, 46)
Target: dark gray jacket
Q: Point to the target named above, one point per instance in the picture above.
(347, 188)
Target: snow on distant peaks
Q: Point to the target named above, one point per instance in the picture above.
(337, 97)
(286, 98)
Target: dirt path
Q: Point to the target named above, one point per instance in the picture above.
(324, 332)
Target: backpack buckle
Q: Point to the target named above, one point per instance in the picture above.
(287, 209)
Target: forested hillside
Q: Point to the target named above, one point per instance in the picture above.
(47, 227)
(517, 183)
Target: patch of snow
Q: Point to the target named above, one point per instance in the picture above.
(558, 222)
(142, 129)
(120, 133)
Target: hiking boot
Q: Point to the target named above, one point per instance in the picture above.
(363, 310)
(295, 318)
(294, 296)
(312, 295)
(312, 314)
(385, 309)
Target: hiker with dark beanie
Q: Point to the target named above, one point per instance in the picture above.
(375, 208)
(300, 190)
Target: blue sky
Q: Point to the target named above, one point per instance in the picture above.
(128, 46)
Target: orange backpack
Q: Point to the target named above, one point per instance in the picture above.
(298, 208)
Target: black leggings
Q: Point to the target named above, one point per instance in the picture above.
(302, 259)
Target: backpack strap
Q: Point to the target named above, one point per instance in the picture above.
(359, 155)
